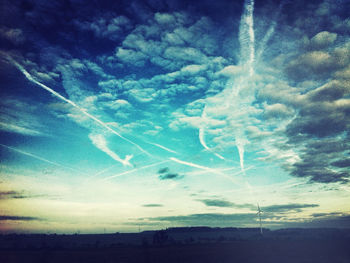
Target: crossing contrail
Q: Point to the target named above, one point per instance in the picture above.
(133, 170)
(224, 170)
(208, 169)
(162, 147)
(56, 94)
(40, 158)
(195, 165)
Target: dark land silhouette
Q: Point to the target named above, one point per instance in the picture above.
(187, 244)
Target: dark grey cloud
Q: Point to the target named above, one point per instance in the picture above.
(319, 130)
(152, 205)
(314, 65)
(18, 218)
(270, 219)
(14, 35)
(315, 91)
(17, 195)
(323, 160)
(111, 27)
(332, 214)
(168, 176)
(342, 163)
(9, 194)
(224, 203)
(217, 203)
(333, 219)
(163, 170)
(210, 219)
(165, 174)
(287, 208)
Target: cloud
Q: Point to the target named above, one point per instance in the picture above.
(14, 35)
(83, 111)
(8, 127)
(19, 218)
(278, 110)
(172, 176)
(8, 194)
(187, 54)
(129, 56)
(211, 219)
(287, 208)
(333, 219)
(342, 163)
(17, 195)
(318, 64)
(225, 203)
(230, 71)
(20, 116)
(170, 45)
(152, 205)
(164, 19)
(322, 40)
(165, 174)
(163, 170)
(116, 105)
(143, 94)
(108, 26)
(284, 208)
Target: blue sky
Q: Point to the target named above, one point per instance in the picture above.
(173, 113)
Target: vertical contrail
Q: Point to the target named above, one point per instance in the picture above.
(246, 35)
(56, 94)
(250, 21)
(240, 148)
(247, 42)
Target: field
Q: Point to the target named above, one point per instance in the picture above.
(228, 252)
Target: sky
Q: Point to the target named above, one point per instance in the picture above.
(120, 116)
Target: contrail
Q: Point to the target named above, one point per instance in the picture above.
(56, 94)
(204, 168)
(162, 147)
(225, 170)
(133, 170)
(269, 32)
(102, 171)
(240, 147)
(195, 165)
(246, 34)
(100, 142)
(202, 141)
(201, 136)
(40, 158)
